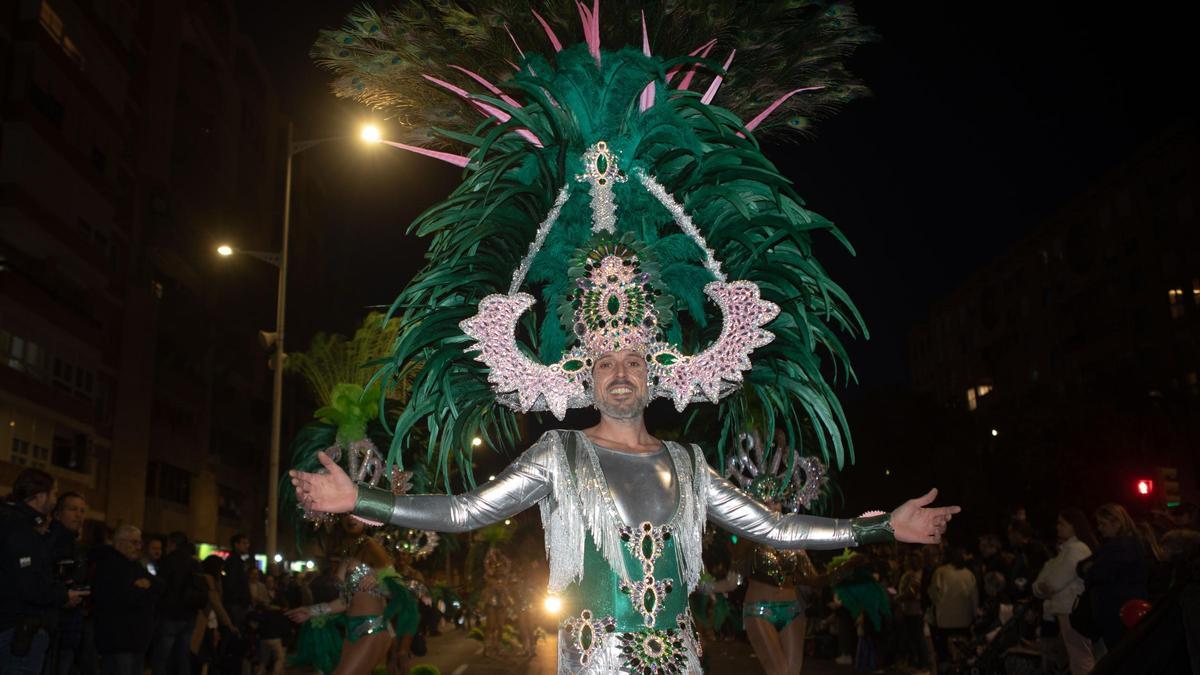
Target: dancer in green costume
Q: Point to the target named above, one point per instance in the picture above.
(661, 249)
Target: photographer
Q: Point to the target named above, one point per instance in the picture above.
(30, 594)
(70, 567)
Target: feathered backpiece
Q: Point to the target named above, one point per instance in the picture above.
(634, 148)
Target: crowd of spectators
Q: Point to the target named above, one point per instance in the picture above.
(133, 604)
(1075, 594)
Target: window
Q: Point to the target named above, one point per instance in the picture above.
(20, 452)
(1175, 302)
(229, 503)
(71, 450)
(1196, 291)
(169, 482)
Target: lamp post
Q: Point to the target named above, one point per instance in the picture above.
(370, 134)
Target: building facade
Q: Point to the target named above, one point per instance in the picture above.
(137, 136)
(1084, 340)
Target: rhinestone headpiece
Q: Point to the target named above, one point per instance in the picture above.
(613, 307)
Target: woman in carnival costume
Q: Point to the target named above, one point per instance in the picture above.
(627, 202)
(773, 613)
(375, 602)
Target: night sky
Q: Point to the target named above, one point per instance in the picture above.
(980, 125)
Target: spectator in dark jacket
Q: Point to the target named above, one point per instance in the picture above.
(1116, 573)
(235, 585)
(184, 594)
(29, 593)
(70, 561)
(124, 595)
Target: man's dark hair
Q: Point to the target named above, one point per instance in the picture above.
(155, 537)
(957, 557)
(31, 483)
(177, 539)
(62, 501)
(233, 541)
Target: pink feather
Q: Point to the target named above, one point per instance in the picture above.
(771, 108)
(450, 158)
(647, 97)
(488, 85)
(716, 83)
(591, 27)
(549, 32)
(514, 41)
(687, 79)
(707, 45)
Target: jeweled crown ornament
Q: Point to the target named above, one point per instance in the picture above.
(613, 309)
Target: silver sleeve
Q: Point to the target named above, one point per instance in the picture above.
(747, 517)
(521, 485)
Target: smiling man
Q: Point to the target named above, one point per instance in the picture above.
(606, 181)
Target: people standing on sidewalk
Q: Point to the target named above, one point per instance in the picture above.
(1059, 586)
(125, 595)
(185, 594)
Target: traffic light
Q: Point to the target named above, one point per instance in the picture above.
(1144, 487)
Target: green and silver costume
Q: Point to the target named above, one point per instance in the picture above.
(639, 215)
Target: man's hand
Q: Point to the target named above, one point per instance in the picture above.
(298, 615)
(76, 597)
(142, 583)
(913, 523)
(331, 492)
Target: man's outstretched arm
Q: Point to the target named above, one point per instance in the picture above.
(521, 485)
(739, 513)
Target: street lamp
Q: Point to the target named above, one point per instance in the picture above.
(369, 133)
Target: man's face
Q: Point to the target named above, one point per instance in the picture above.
(619, 384)
(130, 546)
(43, 502)
(154, 550)
(243, 546)
(72, 514)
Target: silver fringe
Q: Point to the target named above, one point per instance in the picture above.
(562, 519)
(538, 239)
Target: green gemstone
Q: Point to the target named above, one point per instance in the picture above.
(585, 637)
(664, 359)
(647, 547)
(572, 365)
(601, 164)
(649, 600)
(614, 304)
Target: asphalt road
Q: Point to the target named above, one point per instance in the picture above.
(456, 654)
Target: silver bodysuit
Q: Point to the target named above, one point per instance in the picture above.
(588, 495)
(531, 477)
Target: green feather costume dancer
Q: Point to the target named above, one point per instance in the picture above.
(346, 428)
(619, 236)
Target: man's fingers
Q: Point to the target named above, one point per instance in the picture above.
(926, 498)
(327, 461)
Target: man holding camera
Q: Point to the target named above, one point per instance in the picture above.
(31, 594)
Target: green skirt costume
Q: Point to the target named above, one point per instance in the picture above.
(319, 644)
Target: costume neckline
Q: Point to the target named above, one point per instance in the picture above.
(610, 501)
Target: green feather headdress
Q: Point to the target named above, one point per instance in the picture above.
(705, 203)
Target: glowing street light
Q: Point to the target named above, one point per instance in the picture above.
(225, 250)
(995, 432)
(370, 133)
(552, 604)
(476, 442)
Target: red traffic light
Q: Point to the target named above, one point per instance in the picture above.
(1144, 487)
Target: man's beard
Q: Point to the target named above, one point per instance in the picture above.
(631, 409)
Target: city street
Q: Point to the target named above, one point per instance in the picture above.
(456, 654)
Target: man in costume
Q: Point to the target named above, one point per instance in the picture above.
(620, 197)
